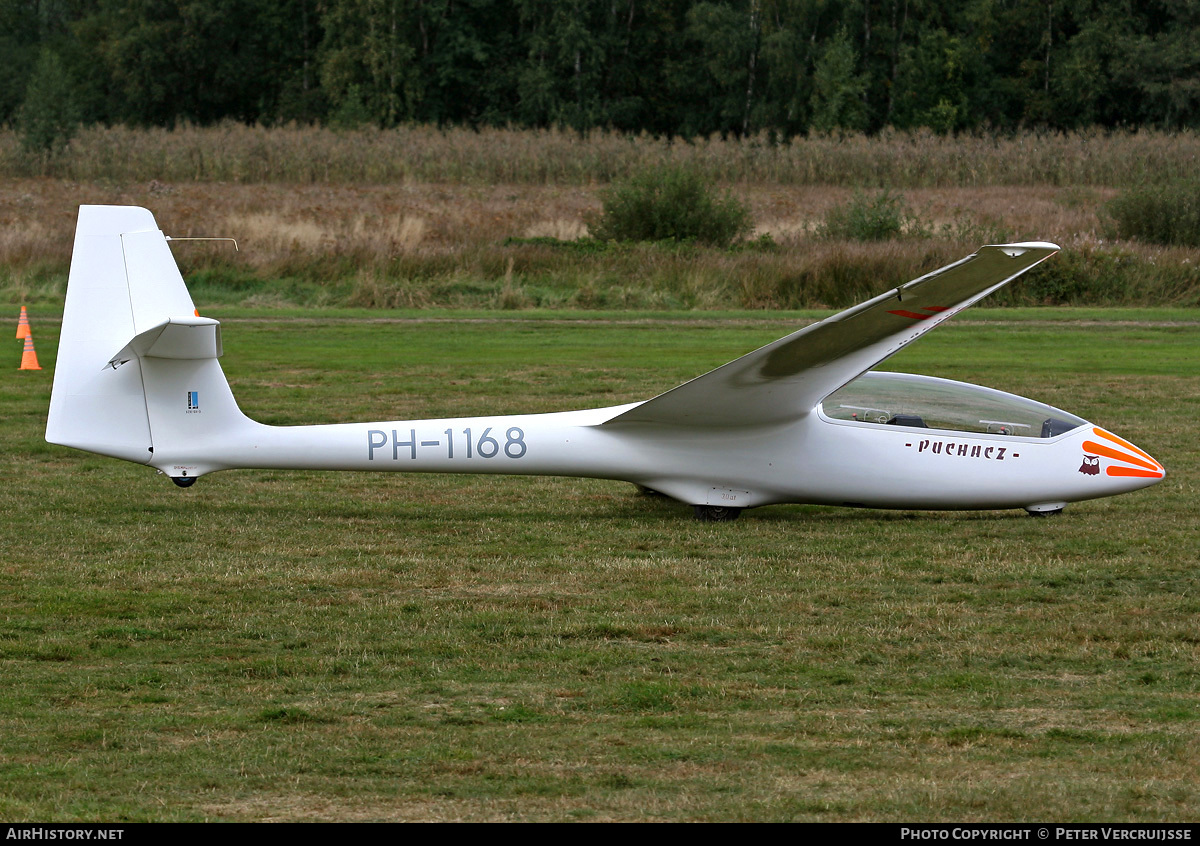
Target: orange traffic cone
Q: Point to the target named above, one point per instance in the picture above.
(29, 357)
(23, 325)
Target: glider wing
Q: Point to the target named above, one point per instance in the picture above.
(786, 379)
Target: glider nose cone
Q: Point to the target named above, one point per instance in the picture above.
(1124, 466)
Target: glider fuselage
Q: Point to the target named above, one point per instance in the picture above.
(815, 459)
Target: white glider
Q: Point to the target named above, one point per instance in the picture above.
(799, 420)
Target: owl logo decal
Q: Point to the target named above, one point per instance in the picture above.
(1090, 465)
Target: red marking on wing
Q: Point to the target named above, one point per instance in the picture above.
(916, 315)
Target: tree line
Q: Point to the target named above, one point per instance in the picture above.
(665, 67)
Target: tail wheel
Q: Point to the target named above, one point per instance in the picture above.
(715, 513)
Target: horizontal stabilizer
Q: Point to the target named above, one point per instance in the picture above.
(188, 338)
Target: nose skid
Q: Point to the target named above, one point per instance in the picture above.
(1123, 466)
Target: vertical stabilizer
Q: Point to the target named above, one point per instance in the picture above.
(133, 357)
(92, 406)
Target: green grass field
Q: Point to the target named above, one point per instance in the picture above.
(303, 645)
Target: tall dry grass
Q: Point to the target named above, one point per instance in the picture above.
(426, 244)
(312, 155)
(277, 224)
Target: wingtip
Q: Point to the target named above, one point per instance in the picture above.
(1021, 247)
(114, 220)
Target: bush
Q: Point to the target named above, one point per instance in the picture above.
(1167, 213)
(884, 216)
(674, 204)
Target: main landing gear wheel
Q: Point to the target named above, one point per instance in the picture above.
(184, 481)
(1047, 509)
(715, 513)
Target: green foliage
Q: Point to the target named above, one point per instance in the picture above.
(668, 68)
(579, 246)
(349, 112)
(675, 204)
(19, 47)
(1076, 276)
(837, 98)
(49, 116)
(1163, 213)
(878, 218)
(366, 63)
(931, 89)
(714, 72)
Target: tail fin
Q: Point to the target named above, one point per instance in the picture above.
(137, 370)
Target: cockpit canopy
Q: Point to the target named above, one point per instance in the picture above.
(926, 402)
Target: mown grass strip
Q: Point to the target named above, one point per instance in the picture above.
(271, 645)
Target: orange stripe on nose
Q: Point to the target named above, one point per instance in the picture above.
(1122, 442)
(1132, 471)
(1109, 452)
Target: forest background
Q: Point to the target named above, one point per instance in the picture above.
(666, 67)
